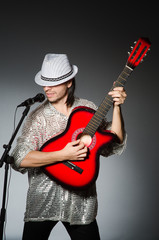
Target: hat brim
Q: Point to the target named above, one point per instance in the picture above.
(42, 82)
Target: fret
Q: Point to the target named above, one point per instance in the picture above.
(108, 103)
(99, 114)
(100, 111)
(124, 72)
(93, 125)
(122, 78)
(120, 84)
(89, 131)
(108, 98)
(96, 119)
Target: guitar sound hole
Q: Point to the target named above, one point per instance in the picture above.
(85, 138)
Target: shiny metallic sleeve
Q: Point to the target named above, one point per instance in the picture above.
(29, 140)
(116, 148)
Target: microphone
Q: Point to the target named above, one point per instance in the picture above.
(30, 101)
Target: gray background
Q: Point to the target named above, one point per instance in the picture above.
(96, 38)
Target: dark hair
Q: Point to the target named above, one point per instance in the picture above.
(71, 97)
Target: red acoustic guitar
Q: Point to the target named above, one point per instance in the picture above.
(84, 124)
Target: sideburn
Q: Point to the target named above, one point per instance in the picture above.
(71, 97)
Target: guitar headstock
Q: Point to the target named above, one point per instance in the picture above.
(138, 52)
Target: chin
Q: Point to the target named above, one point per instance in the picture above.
(51, 99)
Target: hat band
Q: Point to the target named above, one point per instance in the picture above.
(57, 79)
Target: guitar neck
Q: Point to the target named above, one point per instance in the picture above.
(106, 104)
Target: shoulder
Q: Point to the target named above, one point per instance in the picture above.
(39, 111)
(85, 102)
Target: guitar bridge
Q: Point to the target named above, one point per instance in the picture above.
(73, 167)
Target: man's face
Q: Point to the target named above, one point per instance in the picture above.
(57, 93)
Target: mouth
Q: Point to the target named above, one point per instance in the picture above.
(50, 95)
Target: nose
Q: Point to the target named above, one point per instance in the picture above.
(46, 88)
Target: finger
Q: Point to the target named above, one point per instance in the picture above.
(76, 142)
(83, 151)
(118, 89)
(118, 94)
(82, 157)
(81, 145)
(112, 93)
(118, 101)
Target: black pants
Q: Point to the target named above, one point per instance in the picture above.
(42, 230)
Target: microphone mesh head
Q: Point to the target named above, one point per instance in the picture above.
(40, 97)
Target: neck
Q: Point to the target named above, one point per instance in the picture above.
(62, 107)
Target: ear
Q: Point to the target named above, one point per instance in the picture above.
(69, 83)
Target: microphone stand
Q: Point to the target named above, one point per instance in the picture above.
(8, 160)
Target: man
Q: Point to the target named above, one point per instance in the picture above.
(47, 201)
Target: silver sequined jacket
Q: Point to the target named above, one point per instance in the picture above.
(47, 200)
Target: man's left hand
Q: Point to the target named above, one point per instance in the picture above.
(119, 95)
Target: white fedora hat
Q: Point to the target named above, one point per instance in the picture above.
(56, 69)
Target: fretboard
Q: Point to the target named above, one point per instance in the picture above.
(106, 104)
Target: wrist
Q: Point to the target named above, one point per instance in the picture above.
(117, 107)
(62, 155)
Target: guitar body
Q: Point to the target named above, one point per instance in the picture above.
(65, 175)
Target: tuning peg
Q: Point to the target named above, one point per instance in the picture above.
(131, 48)
(148, 49)
(135, 42)
(129, 53)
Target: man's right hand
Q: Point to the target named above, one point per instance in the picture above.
(75, 150)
